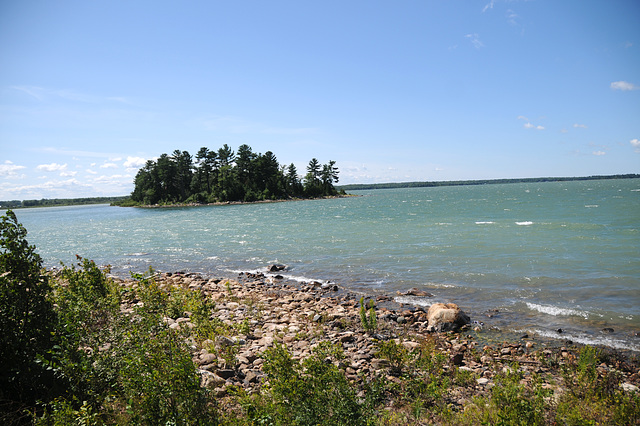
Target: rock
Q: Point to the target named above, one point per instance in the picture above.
(628, 387)
(210, 380)
(415, 292)
(225, 341)
(276, 268)
(607, 330)
(226, 373)
(207, 359)
(483, 381)
(251, 376)
(457, 358)
(446, 317)
(401, 320)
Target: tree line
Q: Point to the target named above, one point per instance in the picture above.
(225, 175)
(428, 184)
(56, 202)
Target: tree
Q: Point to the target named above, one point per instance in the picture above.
(27, 319)
(328, 176)
(294, 186)
(184, 174)
(312, 186)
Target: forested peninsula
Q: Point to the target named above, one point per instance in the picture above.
(227, 176)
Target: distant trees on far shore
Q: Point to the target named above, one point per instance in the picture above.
(225, 175)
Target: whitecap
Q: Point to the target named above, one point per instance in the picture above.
(526, 223)
(416, 301)
(484, 223)
(591, 206)
(592, 340)
(557, 311)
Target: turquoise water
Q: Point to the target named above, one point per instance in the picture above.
(545, 255)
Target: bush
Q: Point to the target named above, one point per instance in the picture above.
(27, 320)
(314, 391)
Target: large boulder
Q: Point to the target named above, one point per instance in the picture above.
(446, 317)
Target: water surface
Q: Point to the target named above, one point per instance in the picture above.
(544, 255)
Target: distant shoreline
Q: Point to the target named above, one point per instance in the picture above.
(429, 184)
(58, 202)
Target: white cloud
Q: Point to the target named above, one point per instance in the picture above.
(9, 169)
(93, 172)
(623, 85)
(511, 17)
(489, 6)
(522, 117)
(475, 40)
(583, 126)
(66, 174)
(598, 153)
(635, 143)
(528, 125)
(134, 162)
(109, 166)
(53, 167)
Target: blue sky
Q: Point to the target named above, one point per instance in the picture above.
(392, 91)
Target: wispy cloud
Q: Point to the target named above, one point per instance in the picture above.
(635, 143)
(512, 17)
(599, 153)
(53, 167)
(231, 124)
(9, 169)
(475, 40)
(77, 153)
(624, 86)
(488, 6)
(43, 94)
(581, 126)
(109, 166)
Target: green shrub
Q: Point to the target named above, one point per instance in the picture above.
(27, 321)
(313, 391)
(369, 322)
(510, 402)
(593, 397)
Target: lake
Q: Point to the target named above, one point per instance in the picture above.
(525, 257)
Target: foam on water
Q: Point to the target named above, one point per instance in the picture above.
(557, 311)
(610, 341)
(526, 223)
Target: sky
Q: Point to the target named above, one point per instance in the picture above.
(393, 91)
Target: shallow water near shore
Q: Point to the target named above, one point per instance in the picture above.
(526, 258)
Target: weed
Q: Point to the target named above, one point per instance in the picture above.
(369, 322)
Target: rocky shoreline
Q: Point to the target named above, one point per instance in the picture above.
(300, 317)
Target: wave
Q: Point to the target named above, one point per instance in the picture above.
(484, 223)
(609, 341)
(557, 311)
(416, 301)
(526, 223)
